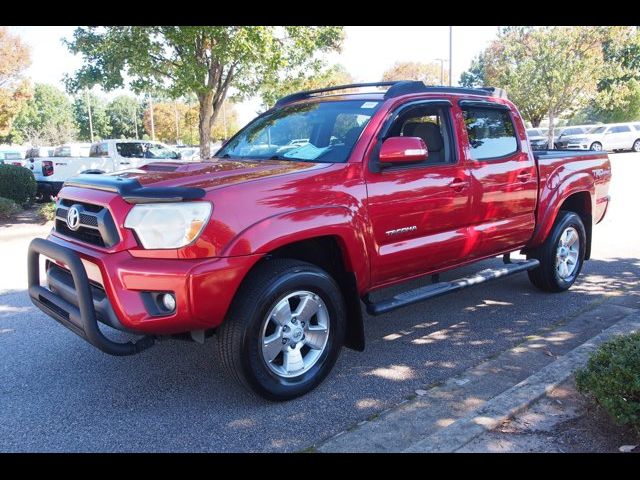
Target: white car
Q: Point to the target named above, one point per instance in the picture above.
(190, 154)
(620, 136)
(101, 157)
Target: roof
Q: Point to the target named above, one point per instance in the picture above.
(394, 89)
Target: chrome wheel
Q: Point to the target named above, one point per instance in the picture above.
(636, 146)
(295, 333)
(596, 146)
(567, 253)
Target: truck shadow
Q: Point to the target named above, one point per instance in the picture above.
(50, 375)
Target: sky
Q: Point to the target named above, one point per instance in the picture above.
(366, 52)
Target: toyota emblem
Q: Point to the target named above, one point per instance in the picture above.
(73, 218)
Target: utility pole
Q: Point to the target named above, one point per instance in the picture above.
(450, 52)
(135, 120)
(175, 111)
(86, 97)
(224, 118)
(153, 128)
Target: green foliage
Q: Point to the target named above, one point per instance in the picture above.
(276, 88)
(45, 119)
(612, 377)
(474, 77)
(99, 117)
(17, 183)
(202, 60)
(124, 113)
(47, 211)
(8, 208)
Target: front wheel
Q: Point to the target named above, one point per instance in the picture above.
(596, 146)
(636, 146)
(284, 330)
(561, 255)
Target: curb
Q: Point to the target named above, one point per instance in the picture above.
(520, 396)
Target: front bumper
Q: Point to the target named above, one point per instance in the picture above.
(81, 317)
(114, 288)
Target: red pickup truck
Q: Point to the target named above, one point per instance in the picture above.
(276, 243)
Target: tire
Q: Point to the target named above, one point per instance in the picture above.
(550, 276)
(636, 146)
(597, 146)
(261, 300)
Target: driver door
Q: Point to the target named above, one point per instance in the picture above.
(419, 212)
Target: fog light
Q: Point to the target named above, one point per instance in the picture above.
(169, 302)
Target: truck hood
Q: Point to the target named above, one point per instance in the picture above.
(214, 173)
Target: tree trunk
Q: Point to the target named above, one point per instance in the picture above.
(204, 123)
(551, 134)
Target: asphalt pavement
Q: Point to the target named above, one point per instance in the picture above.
(58, 393)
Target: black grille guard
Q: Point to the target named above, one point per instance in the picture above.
(81, 319)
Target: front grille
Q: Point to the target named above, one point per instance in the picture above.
(84, 234)
(96, 225)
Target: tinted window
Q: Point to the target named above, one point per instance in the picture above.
(620, 129)
(63, 151)
(491, 133)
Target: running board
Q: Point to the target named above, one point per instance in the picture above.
(442, 288)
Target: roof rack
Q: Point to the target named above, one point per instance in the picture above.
(396, 89)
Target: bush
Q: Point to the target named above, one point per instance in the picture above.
(48, 211)
(17, 183)
(612, 377)
(8, 208)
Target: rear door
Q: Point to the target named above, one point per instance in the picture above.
(419, 213)
(619, 137)
(503, 180)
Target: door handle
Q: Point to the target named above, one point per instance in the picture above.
(125, 163)
(458, 184)
(524, 176)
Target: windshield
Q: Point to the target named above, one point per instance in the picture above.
(319, 132)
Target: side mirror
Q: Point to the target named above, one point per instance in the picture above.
(399, 150)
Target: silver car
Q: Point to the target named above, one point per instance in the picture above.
(605, 137)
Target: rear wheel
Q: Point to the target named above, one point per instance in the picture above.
(561, 255)
(284, 330)
(636, 146)
(597, 146)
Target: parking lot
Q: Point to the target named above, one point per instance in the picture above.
(58, 393)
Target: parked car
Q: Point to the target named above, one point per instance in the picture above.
(189, 153)
(100, 157)
(605, 137)
(11, 157)
(35, 152)
(274, 253)
(538, 138)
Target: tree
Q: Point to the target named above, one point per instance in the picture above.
(45, 119)
(99, 118)
(203, 60)
(546, 71)
(178, 122)
(474, 77)
(125, 114)
(433, 73)
(14, 89)
(328, 77)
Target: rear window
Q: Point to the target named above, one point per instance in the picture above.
(131, 150)
(534, 133)
(491, 132)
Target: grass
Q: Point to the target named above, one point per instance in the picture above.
(47, 211)
(8, 208)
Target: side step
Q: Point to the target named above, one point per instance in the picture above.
(442, 288)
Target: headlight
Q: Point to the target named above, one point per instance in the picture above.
(168, 225)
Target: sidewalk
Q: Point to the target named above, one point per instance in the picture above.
(467, 412)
